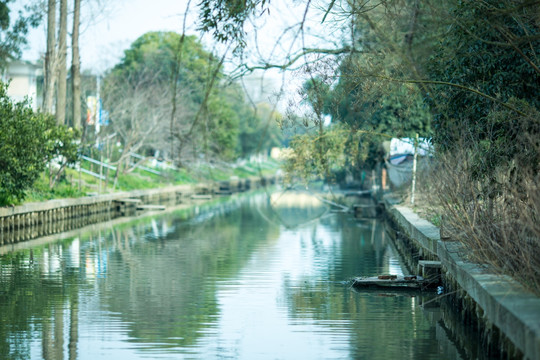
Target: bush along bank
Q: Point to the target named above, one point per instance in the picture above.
(502, 311)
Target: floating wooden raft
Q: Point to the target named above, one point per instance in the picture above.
(390, 282)
(201, 197)
(151, 207)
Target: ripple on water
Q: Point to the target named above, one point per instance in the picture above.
(232, 283)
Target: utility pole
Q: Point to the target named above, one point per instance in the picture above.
(414, 169)
(98, 105)
(98, 119)
(62, 69)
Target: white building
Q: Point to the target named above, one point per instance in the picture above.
(23, 76)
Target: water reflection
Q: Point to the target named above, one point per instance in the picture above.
(229, 281)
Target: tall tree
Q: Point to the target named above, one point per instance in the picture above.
(155, 53)
(76, 66)
(494, 48)
(62, 67)
(207, 122)
(136, 103)
(50, 58)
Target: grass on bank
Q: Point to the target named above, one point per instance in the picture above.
(74, 184)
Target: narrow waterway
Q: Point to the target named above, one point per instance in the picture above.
(254, 277)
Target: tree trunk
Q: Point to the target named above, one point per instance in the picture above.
(62, 69)
(76, 66)
(50, 55)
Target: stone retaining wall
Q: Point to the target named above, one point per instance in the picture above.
(32, 220)
(505, 313)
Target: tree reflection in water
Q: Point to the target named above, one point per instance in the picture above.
(251, 277)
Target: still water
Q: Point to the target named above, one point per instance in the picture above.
(253, 277)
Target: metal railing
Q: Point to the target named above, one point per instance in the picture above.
(142, 167)
(112, 167)
(97, 162)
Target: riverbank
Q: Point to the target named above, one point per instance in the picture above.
(505, 314)
(38, 219)
(96, 180)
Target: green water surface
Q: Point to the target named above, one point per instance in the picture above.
(255, 277)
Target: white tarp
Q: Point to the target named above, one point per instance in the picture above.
(405, 146)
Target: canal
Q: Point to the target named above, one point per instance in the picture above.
(250, 277)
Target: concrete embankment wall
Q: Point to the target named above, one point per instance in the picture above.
(33, 220)
(506, 315)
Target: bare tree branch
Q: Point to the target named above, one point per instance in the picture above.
(246, 69)
(459, 86)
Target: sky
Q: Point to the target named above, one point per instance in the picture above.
(109, 29)
(106, 31)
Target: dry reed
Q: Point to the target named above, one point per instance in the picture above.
(497, 219)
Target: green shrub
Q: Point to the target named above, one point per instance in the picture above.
(28, 141)
(23, 134)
